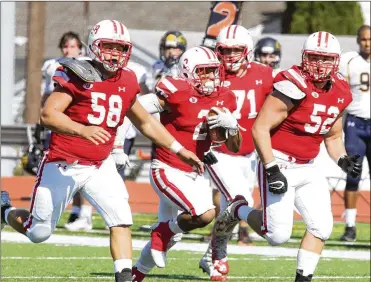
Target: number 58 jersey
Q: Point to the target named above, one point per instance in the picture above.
(101, 104)
(312, 116)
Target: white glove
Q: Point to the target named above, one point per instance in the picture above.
(121, 159)
(222, 119)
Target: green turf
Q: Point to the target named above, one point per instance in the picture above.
(94, 264)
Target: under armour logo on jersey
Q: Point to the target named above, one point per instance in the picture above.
(122, 89)
(340, 100)
(219, 103)
(62, 166)
(226, 83)
(315, 94)
(259, 82)
(87, 86)
(351, 124)
(193, 100)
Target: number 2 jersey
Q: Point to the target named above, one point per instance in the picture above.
(313, 115)
(250, 91)
(101, 104)
(186, 119)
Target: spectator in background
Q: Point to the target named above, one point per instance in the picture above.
(355, 67)
(268, 52)
(71, 47)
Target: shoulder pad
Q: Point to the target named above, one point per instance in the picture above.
(83, 69)
(289, 89)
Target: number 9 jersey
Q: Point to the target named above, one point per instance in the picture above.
(356, 70)
(314, 113)
(101, 104)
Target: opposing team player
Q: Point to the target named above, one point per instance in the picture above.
(268, 52)
(84, 111)
(356, 69)
(184, 104)
(305, 109)
(234, 173)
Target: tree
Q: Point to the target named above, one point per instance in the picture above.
(339, 18)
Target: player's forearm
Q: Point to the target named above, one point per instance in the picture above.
(59, 122)
(263, 144)
(335, 147)
(156, 132)
(234, 142)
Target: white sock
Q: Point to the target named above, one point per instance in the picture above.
(244, 211)
(6, 213)
(174, 227)
(307, 262)
(75, 209)
(86, 211)
(120, 264)
(145, 263)
(350, 217)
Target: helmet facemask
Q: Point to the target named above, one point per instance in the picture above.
(320, 66)
(206, 79)
(111, 58)
(233, 57)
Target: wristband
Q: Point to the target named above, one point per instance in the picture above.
(175, 147)
(269, 165)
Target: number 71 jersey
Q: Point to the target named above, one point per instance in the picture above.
(102, 104)
(313, 114)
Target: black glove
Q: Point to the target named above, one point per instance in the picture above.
(276, 180)
(210, 158)
(351, 165)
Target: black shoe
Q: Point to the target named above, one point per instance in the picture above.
(349, 234)
(5, 204)
(124, 276)
(73, 217)
(301, 278)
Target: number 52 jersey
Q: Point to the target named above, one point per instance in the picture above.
(314, 113)
(101, 104)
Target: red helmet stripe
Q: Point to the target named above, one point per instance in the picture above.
(319, 38)
(206, 51)
(114, 26)
(234, 32)
(326, 38)
(229, 29)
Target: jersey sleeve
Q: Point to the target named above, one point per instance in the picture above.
(269, 81)
(167, 88)
(290, 83)
(64, 80)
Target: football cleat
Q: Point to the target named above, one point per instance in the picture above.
(124, 275)
(80, 224)
(5, 204)
(349, 234)
(301, 278)
(160, 239)
(221, 266)
(226, 221)
(208, 267)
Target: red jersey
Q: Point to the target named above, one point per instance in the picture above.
(302, 132)
(186, 119)
(251, 91)
(102, 104)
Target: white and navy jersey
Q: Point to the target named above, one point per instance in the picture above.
(48, 69)
(356, 70)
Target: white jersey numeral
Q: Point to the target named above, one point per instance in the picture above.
(240, 95)
(114, 111)
(317, 119)
(197, 135)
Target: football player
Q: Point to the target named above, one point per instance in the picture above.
(356, 69)
(304, 109)
(84, 111)
(268, 52)
(184, 104)
(234, 173)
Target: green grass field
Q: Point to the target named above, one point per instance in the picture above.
(48, 262)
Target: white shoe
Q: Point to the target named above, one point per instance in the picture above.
(80, 224)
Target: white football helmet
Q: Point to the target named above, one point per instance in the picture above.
(321, 43)
(201, 68)
(109, 31)
(234, 36)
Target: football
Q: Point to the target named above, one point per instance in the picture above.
(218, 134)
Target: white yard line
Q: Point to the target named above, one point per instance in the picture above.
(182, 277)
(184, 246)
